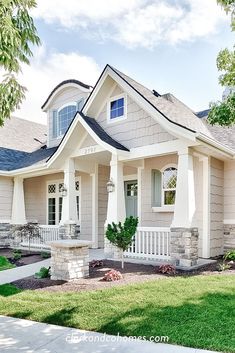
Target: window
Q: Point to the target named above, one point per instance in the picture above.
(55, 201)
(65, 116)
(169, 186)
(164, 187)
(116, 109)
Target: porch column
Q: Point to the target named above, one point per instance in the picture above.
(94, 201)
(18, 203)
(69, 207)
(184, 238)
(185, 193)
(206, 207)
(116, 200)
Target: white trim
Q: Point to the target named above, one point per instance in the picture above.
(171, 165)
(73, 103)
(130, 177)
(5, 221)
(119, 118)
(206, 207)
(164, 208)
(94, 200)
(139, 196)
(229, 221)
(61, 88)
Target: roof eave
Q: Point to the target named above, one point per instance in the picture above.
(215, 144)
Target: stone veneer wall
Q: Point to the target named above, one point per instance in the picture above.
(229, 237)
(184, 246)
(5, 233)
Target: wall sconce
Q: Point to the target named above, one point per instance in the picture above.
(110, 186)
(63, 191)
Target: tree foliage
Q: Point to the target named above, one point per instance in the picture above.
(17, 34)
(223, 113)
(121, 235)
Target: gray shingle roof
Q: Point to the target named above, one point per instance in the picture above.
(169, 106)
(14, 159)
(102, 134)
(19, 134)
(223, 134)
(18, 147)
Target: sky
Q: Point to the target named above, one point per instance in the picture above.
(167, 45)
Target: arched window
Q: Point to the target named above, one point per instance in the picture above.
(164, 186)
(65, 116)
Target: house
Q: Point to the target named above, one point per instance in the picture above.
(116, 150)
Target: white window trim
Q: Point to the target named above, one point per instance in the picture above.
(57, 196)
(59, 136)
(163, 207)
(120, 118)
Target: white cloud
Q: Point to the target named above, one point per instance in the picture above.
(45, 72)
(135, 23)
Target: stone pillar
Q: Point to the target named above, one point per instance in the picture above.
(18, 203)
(184, 246)
(229, 237)
(116, 211)
(69, 207)
(69, 259)
(5, 235)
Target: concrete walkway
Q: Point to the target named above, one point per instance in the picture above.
(27, 337)
(14, 274)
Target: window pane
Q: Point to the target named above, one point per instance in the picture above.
(51, 211)
(117, 108)
(169, 197)
(60, 207)
(77, 201)
(169, 178)
(65, 116)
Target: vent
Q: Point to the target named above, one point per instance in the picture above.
(156, 93)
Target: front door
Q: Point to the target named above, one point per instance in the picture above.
(131, 192)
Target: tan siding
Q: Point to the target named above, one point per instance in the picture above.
(139, 129)
(69, 94)
(229, 191)
(6, 194)
(35, 190)
(102, 201)
(150, 218)
(217, 209)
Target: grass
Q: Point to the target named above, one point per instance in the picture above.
(5, 264)
(194, 311)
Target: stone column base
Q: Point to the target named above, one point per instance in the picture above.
(69, 260)
(5, 234)
(229, 237)
(184, 246)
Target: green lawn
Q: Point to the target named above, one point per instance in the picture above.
(195, 311)
(5, 264)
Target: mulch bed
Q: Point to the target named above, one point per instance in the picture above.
(133, 273)
(26, 259)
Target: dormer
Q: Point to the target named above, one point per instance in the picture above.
(61, 106)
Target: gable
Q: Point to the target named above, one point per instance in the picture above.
(138, 129)
(89, 141)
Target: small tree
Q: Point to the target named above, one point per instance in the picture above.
(29, 230)
(121, 235)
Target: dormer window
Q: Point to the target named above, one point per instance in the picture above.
(63, 117)
(117, 108)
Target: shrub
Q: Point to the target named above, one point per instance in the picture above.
(45, 255)
(43, 273)
(28, 231)
(5, 263)
(167, 269)
(121, 235)
(112, 275)
(17, 254)
(230, 255)
(223, 266)
(96, 263)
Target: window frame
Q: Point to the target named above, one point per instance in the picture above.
(113, 99)
(167, 189)
(68, 104)
(163, 207)
(57, 196)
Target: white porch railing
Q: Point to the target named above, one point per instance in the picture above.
(46, 233)
(150, 243)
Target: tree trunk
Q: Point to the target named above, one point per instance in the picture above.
(122, 260)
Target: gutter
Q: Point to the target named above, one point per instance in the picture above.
(213, 143)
